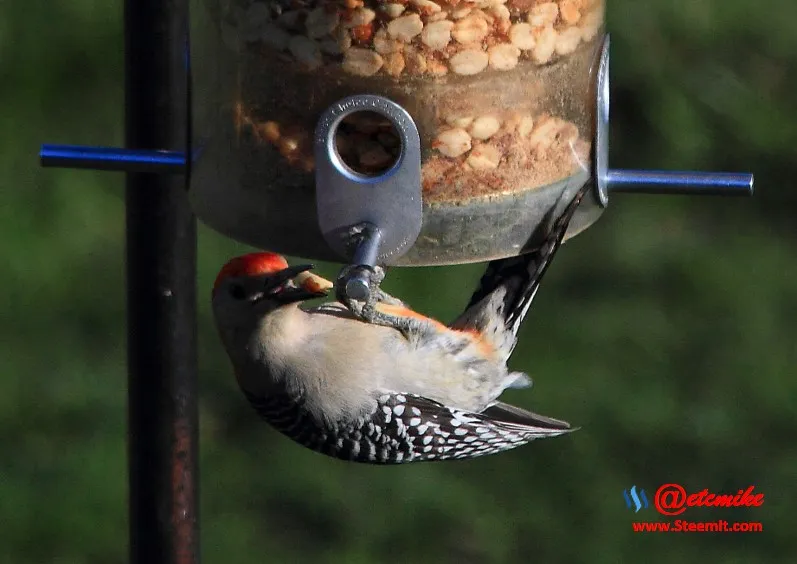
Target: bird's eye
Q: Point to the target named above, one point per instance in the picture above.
(237, 291)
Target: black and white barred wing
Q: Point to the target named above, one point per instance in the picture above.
(409, 428)
(439, 432)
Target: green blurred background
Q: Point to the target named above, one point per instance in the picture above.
(667, 331)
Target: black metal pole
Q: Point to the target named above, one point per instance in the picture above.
(161, 288)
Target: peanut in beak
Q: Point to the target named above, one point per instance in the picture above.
(312, 282)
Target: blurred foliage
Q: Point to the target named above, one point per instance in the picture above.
(667, 332)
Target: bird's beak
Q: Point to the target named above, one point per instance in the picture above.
(280, 287)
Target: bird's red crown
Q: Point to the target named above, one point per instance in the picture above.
(252, 264)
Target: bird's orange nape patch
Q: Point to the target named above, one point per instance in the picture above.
(400, 311)
(485, 346)
(253, 264)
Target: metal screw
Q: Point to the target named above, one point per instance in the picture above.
(357, 286)
(358, 283)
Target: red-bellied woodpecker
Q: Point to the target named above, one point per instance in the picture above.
(400, 387)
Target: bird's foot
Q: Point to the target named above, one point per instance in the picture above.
(378, 307)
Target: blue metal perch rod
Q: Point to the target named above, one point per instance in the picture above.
(110, 158)
(617, 180)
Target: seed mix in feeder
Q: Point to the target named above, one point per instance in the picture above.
(499, 89)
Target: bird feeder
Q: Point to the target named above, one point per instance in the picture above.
(445, 129)
(411, 133)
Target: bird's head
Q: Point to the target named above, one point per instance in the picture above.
(263, 282)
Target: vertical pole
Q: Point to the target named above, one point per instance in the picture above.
(161, 290)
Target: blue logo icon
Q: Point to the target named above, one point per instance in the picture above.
(634, 499)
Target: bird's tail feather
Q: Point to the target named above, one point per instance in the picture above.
(509, 285)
